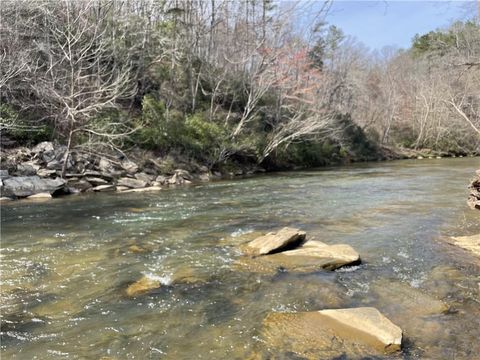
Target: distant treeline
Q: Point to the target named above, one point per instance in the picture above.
(219, 81)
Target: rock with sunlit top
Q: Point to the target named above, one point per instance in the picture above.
(325, 334)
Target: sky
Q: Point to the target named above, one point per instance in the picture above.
(394, 23)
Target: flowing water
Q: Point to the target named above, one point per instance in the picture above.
(66, 264)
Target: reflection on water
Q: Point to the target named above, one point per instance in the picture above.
(66, 264)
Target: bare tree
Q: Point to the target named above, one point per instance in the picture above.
(72, 69)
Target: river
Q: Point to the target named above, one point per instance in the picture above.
(66, 263)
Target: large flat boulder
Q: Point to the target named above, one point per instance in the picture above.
(469, 243)
(23, 186)
(275, 241)
(312, 256)
(325, 334)
(330, 257)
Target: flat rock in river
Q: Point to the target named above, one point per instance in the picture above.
(142, 286)
(331, 256)
(325, 334)
(470, 243)
(275, 242)
(312, 256)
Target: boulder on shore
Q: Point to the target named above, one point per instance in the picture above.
(129, 166)
(40, 196)
(146, 189)
(103, 188)
(26, 169)
(355, 332)
(23, 186)
(474, 196)
(131, 183)
(275, 242)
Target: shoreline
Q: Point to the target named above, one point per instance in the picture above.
(36, 173)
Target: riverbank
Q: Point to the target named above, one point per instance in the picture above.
(37, 172)
(43, 172)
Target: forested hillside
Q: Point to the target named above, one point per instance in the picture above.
(221, 81)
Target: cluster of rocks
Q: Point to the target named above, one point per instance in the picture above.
(37, 172)
(288, 249)
(404, 153)
(355, 330)
(474, 196)
(471, 243)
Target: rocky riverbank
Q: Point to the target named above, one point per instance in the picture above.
(471, 243)
(37, 172)
(474, 196)
(43, 170)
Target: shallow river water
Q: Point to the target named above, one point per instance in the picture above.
(66, 262)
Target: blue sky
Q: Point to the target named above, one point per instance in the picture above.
(395, 23)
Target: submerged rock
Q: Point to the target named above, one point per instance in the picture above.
(403, 301)
(275, 242)
(355, 332)
(470, 243)
(420, 313)
(188, 275)
(136, 249)
(142, 286)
